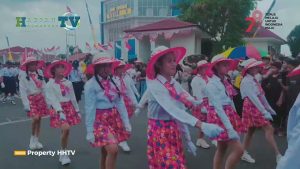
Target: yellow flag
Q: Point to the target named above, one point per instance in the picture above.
(10, 57)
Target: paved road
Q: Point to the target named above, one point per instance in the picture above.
(15, 132)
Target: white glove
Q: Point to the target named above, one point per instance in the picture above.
(2, 85)
(204, 110)
(90, 137)
(268, 116)
(211, 130)
(128, 127)
(191, 148)
(232, 134)
(62, 116)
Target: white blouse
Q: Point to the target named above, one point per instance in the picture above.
(28, 87)
(198, 85)
(54, 95)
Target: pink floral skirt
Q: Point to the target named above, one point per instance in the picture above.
(252, 117)
(108, 128)
(197, 111)
(72, 117)
(234, 118)
(38, 106)
(129, 106)
(165, 149)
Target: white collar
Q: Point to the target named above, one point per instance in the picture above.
(163, 80)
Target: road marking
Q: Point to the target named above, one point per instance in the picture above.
(17, 121)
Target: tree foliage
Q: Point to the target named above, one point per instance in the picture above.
(293, 40)
(224, 20)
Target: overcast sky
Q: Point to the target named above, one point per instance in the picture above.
(287, 11)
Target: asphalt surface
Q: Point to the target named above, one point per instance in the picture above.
(15, 133)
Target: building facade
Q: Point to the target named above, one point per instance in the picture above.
(119, 15)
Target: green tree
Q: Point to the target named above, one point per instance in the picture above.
(224, 20)
(293, 40)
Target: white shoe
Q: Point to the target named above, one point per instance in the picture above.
(246, 157)
(215, 143)
(278, 158)
(38, 144)
(124, 146)
(32, 145)
(202, 143)
(64, 159)
(13, 102)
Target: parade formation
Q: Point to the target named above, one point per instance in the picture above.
(191, 102)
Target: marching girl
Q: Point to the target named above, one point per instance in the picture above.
(257, 113)
(107, 119)
(130, 81)
(198, 85)
(32, 92)
(167, 118)
(60, 96)
(290, 159)
(222, 113)
(126, 93)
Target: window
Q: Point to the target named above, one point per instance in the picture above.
(149, 12)
(163, 12)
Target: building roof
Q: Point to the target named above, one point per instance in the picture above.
(166, 24)
(16, 49)
(265, 33)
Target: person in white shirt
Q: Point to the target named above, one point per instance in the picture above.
(10, 84)
(222, 112)
(77, 78)
(107, 121)
(167, 117)
(257, 112)
(32, 92)
(61, 97)
(130, 81)
(198, 85)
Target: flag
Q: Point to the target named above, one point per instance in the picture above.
(127, 45)
(69, 9)
(87, 46)
(10, 57)
(51, 49)
(110, 46)
(99, 46)
(76, 49)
